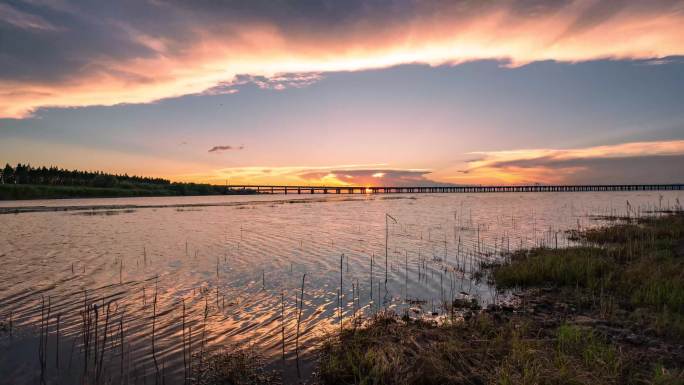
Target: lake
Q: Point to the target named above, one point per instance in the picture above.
(236, 264)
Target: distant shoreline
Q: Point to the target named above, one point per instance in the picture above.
(37, 192)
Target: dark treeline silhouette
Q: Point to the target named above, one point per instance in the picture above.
(54, 176)
(27, 182)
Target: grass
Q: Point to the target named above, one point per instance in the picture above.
(21, 191)
(583, 266)
(585, 345)
(637, 265)
(28, 191)
(391, 351)
(233, 367)
(483, 350)
(590, 309)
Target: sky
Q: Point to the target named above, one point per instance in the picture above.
(387, 92)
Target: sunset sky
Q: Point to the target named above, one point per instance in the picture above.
(332, 92)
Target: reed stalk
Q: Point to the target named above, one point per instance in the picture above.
(190, 350)
(299, 316)
(371, 275)
(339, 293)
(406, 277)
(57, 351)
(282, 320)
(121, 342)
(185, 361)
(387, 218)
(104, 343)
(154, 323)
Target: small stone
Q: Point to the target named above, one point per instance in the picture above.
(584, 320)
(634, 339)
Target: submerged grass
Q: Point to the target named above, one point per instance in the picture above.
(610, 311)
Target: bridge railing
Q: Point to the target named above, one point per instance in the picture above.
(283, 189)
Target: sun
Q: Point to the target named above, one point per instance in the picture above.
(368, 190)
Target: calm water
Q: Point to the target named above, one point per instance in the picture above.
(237, 261)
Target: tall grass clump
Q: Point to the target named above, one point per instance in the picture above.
(583, 266)
(639, 265)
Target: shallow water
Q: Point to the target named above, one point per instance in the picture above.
(236, 262)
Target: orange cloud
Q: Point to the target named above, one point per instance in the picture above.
(647, 162)
(340, 175)
(215, 54)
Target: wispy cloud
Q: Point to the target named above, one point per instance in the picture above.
(147, 51)
(277, 82)
(225, 148)
(24, 20)
(646, 162)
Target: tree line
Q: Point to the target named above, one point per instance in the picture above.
(54, 176)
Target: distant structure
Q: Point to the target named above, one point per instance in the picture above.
(267, 189)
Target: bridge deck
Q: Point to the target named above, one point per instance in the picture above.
(267, 189)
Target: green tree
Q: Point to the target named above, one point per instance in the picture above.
(8, 174)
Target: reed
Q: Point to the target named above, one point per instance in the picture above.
(204, 332)
(86, 321)
(57, 343)
(378, 307)
(189, 349)
(339, 293)
(121, 343)
(185, 361)
(154, 325)
(282, 320)
(104, 343)
(42, 342)
(406, 276)
(353, 302)
(299, 315)
(371, 275)
(387, 218)
(47, 330)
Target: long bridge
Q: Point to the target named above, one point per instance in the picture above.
(268, 189)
